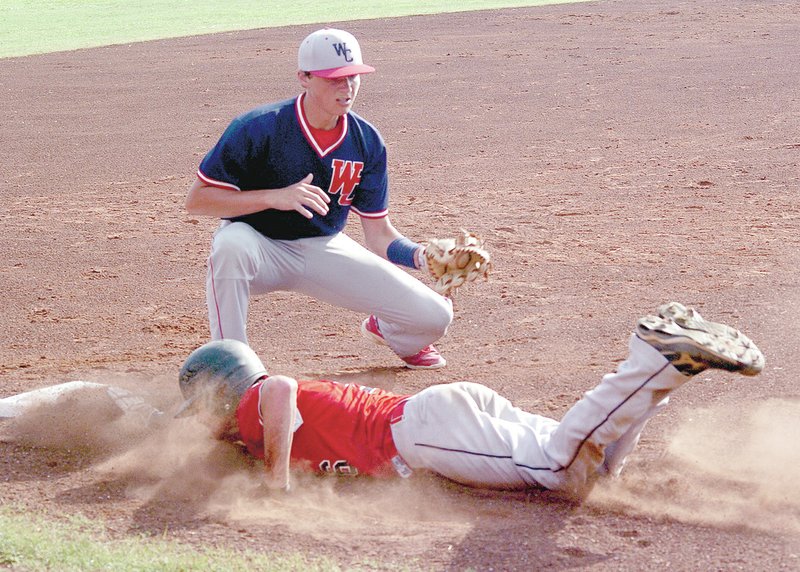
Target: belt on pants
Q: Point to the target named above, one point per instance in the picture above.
(398, 462)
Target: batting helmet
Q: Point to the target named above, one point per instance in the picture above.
(220, 372)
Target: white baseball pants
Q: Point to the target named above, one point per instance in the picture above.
(334, 269)
(470, 434)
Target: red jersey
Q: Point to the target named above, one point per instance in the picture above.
(345, 428)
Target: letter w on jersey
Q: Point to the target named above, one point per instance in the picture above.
(346, 175)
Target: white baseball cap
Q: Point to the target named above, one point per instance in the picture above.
(331, 53)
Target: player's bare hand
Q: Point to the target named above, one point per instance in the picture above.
(274, 490)
(302, 197)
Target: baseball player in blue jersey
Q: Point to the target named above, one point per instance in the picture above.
(283, 178)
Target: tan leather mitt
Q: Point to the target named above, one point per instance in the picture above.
(455, 261)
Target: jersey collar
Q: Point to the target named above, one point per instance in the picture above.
(305, 127)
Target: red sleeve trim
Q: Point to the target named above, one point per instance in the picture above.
(380, 214)
(214, 183)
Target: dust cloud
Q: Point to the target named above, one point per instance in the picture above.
(729, 466)
(182, 461)
(85, 420)
(185, 461)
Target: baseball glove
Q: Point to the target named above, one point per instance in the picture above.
(455, 261)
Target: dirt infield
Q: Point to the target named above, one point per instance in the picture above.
(614, 154)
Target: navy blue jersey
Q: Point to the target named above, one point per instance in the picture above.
(272, 147)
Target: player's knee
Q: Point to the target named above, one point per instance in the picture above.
(438, 316)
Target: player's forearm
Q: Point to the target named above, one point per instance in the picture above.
(278, 405)
(303, 197)
(379, 245)
(384, 240)
(379, 234)
(205, 200)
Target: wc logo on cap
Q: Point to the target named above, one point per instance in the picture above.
(331, 53)
(342, 49)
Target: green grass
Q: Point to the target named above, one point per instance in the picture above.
(75, 543)
(36, 26)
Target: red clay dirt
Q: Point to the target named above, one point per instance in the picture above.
(615, 155)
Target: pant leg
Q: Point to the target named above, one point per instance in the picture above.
(342, 272)
(622, 402)
(333, 269)
(472, 435)
(616, 453)
(243, 262)
(468, 433)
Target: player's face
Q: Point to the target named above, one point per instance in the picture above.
(328, 99)
(222, 427)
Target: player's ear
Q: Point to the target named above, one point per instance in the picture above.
(303, 77)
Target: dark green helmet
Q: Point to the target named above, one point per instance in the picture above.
(217, 374)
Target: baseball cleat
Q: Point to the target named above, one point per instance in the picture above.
(370, 330)
(690, 318)
(427, 358)
(693, 344)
